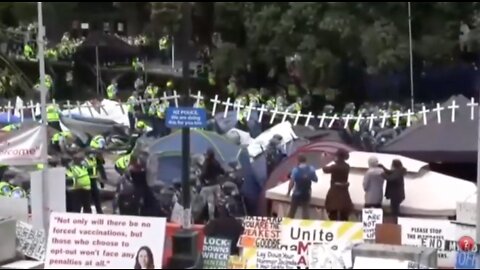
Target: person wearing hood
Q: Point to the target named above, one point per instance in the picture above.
(373, 184)
(395, 190)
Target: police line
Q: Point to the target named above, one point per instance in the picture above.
(245, 111)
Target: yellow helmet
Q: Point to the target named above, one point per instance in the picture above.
(170, 84)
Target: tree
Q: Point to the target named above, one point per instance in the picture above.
(330, 35)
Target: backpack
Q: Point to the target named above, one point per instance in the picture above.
(303, 181)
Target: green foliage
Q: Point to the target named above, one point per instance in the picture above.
(372, 36)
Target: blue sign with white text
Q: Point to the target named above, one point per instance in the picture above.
(465, 260)
(186, 117)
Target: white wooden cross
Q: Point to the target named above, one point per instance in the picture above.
(347, 120)
(453, 107)
(359, 120)
(297, 117)
(424, 112)
(215, 102)
(262, 110)
(198, 97)
(8, 108)
(333, 119)
(472, 106)
(370, 121)
(274, 114)
(237, 106)
(89, 107)
(141, 101)
(285, 114)
(397, 119)
(227, 105)
(322, 119)
(439, 110)
(385, 115)
(22, 113)
(249, 111)
(409, 117)
(69, 108)
(32, 109)
(307, 121)
(175, 97)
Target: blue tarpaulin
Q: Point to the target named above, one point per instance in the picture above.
(200, 141)
(5, 119)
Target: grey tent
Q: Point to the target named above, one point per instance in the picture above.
(448, 142)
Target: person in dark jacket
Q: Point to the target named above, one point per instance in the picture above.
(338, 202)
(211, 170)
(226, 227)
(395, 190)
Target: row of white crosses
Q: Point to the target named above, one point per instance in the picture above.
(261, 109)
(324, 118)
(69, 106)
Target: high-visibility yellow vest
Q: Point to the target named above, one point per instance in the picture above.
(97, 142)
(52, 114)
(131, 102)
(161, 109)
(91, 165)
(111, 91)
(62, 134)
(163, 43)
(81, 177)
(10, 127)
(123, 161)
(70, 179)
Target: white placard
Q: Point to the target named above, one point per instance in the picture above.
(467, 212)
(22, 147)
(430, 233)
(322, 257)
(31, 242)
(370, 218)
(48, 196)
(85, 241)
(379, 263)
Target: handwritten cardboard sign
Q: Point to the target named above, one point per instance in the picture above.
(370, 218)
(31, 241)
(216, 253)
(80, 241)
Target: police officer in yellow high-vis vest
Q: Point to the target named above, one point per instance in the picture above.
(92, 163)
(53, 116)
(121, 164)
(81, 191)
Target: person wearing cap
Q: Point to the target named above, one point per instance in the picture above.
(81, 192)
(338, 202)
(98, 142)
(92, 164)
